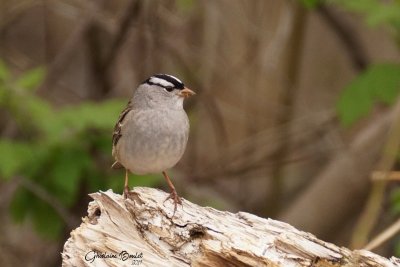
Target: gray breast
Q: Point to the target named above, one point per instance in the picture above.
(153, 140)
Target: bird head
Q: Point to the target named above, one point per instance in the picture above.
(163, 90)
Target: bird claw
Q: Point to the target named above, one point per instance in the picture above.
(175, 199)
(126, 192)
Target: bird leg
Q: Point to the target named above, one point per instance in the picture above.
(126, 186)
(173, 195)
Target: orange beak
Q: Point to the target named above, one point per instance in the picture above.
(186, 92)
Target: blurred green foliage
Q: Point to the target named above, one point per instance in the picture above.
(376, 12)
(60, 150)
(380, 83)
(310, 3)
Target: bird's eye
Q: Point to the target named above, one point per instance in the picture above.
(169, 89)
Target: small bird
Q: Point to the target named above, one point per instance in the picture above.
(151, 133)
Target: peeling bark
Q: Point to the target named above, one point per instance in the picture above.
(141, 225)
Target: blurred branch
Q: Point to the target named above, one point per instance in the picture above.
(390, 232)
(371, 211)
(66, 53)
(217, 119)
(206, 98)
(131, 12)
(69, 219)
(337, 193)
(347, 36)
(302, 133)
(210, 40)
(288, 96)
(101, 64)
(11, 15)
(388, 176)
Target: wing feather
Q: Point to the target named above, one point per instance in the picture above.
(118, 130)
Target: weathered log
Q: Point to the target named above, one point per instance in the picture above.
(140, 230)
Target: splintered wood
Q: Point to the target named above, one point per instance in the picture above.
(139, 231)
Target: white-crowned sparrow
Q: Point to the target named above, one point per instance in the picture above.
(151, 133)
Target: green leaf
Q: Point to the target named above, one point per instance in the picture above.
(101, 141)
(311, 3)
(39, 113)
(25, 205)
(19, 205)
(4, 72)
(383, 82)
(68, 164)
(31, 79)
(148, 180)
(97, 115)
(46, 221)
(64, 149)
(365, 6)
(397, 248)
(116, 181)
(375, 12)
(379, 83)
(13, 157)
(384, 14)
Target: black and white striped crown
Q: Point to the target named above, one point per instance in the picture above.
(165, 81)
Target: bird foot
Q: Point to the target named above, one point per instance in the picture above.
(175, 199)
(126, 192)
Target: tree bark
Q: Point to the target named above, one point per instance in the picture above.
(140, 230)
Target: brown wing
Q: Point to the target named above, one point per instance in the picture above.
(117, 133)
(118, 126)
